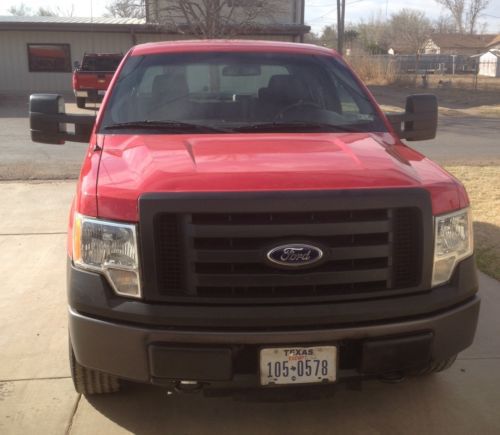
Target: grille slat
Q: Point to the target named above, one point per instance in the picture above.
(288, 230)
(257, 280)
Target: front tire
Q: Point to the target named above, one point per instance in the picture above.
(88, 381)
(80, 102)
(435, 367)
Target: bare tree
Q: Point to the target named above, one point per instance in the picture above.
(456, 8)
(474, 12)
(46, 12)
(126, 9)
(216, 18)
(328, 37)
(375, 34)
(20, 10)
(412, 29)
(444, 24)
(25, 11)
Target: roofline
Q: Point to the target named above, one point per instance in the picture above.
(479, 44)
(229, 45)
(287, 29)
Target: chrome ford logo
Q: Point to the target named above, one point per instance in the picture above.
(295, 255)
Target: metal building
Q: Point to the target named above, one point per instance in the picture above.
(38, 53)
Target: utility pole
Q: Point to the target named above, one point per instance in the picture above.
(340, 25)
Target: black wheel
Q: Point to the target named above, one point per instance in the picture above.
(435, 367)
(88, 381)
(80, 102)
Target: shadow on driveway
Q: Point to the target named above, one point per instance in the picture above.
(444, 403)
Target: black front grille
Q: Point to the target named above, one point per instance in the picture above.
(169, 253)
(222, 256)
(407, 252)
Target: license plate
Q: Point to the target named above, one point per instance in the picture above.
(298, 365)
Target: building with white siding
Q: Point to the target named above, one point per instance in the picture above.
(38, 53)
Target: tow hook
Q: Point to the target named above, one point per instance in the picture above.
(187, 387)
(393, 378)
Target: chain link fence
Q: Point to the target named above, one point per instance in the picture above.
(428, 70)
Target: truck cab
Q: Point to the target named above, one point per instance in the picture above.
(247, 216)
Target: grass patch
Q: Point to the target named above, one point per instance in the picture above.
(483, 185)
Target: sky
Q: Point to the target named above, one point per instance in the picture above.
(319, 13)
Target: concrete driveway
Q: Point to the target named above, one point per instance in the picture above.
(37, 397)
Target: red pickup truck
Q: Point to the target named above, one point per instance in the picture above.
(93, 76)
(247, 216)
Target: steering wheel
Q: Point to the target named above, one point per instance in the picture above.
(281, 114)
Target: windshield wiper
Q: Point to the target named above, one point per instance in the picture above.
(294, 126)
(171, 126)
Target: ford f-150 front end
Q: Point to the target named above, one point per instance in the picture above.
(247, 216)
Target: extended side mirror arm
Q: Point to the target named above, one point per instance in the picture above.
(48, 121)
(419, 121)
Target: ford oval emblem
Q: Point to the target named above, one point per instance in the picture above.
(295, 255)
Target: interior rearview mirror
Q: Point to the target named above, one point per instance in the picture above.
(419, 121)
(48, 121)
(247, 70)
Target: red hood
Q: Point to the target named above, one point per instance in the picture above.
(133, 165)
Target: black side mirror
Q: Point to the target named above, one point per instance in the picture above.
(48, 121)
(420, 120)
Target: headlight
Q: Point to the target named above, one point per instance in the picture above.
(453, 242)
(111, 249)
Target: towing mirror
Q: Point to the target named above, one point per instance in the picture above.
(419, 121)
(48, 121)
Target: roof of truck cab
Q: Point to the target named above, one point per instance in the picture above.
(229, 45)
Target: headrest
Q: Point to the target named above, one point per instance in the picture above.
(170, 86)
(286, 88)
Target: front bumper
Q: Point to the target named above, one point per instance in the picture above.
(91, 93)
(137, 340)
(132, 352)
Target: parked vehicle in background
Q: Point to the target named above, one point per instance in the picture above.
(246, 216)
(93, 76)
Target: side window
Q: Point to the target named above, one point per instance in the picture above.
(198, 77)
(347, 102)
(146, 85)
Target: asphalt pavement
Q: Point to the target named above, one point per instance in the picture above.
(37, 397)
(469, 140)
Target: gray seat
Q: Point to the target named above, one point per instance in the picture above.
(170, 93)
(283, 91)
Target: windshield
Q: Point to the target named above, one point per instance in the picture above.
(101, 63)
(230, 92)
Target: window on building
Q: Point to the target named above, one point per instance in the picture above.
(49, 58)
